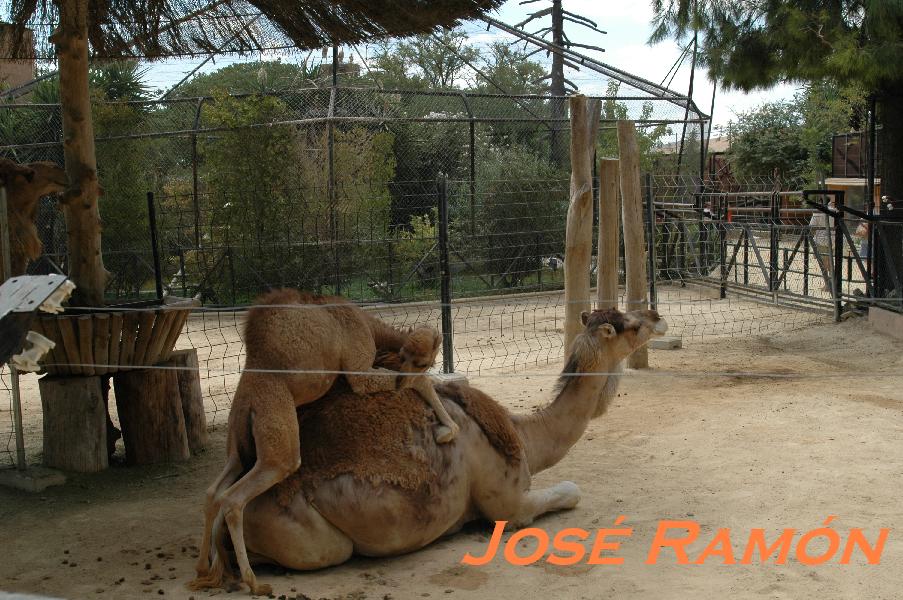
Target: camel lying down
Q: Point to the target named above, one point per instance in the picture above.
(383, 486)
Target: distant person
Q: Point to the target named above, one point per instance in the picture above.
(821, 235)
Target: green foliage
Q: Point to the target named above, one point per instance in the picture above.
(431, 61)
(256, 77)
(768, 138)
(756, 44)
(794, 137)
(520, 215)
(648, 138)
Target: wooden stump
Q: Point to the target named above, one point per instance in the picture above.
(150, 414)
(75, 423)
(192, 400)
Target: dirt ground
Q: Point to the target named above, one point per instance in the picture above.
(770, 432)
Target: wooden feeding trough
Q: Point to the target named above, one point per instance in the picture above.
(160, 410)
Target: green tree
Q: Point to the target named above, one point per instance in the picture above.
(436, 61)
(766, 138)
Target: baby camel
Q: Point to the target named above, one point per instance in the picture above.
(297, 344)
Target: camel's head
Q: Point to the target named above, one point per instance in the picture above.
(619, 334)
(50, 177)
(420, 349)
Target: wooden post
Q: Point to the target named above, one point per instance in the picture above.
(634, 234)
(192, 400)
(609, 233)
(75, 423)
(150, 413)
(579, 233)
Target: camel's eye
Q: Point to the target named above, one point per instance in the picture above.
(421, 365)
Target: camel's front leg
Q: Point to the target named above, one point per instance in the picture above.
(521, 509)
(424, 386)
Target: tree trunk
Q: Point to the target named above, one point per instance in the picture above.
(150, 413)
(556, 140)
(86, 268)
(578, 243)
(186, 362)
(609, 234)
(634, 231)
(75, 423)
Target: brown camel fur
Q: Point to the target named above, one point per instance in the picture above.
(360, 502)
(25, 185)
(297, 344)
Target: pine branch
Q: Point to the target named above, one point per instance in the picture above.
(537, 15)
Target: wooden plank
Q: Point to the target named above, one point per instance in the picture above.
(47, 328)
(162, 324)
(609, 234)
(129, 335)
(578, 236)
(146, 321)
(101, 343)
(634, 231)
(115, 338)
(86, 343)
(70, 343)
(174, 333)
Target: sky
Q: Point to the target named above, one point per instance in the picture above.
(628, 25)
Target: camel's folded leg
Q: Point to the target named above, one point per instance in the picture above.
(424, 386)
(521, 511)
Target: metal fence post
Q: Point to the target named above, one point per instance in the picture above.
(194, 176)
(155, 245)
(650, 243)
(838, 255)
(774, 239)
(722, 231)
(13, 372)
(448, 362)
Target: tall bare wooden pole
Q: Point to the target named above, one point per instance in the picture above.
(634, 234)
(86, 268)
(579, 234)
(609, 234)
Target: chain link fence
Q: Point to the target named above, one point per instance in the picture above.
(336, 191)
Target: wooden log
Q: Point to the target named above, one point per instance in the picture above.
(101, 343)
(115, 339)
(162, 324)
(146, 321)
(56, 355)
(579, 232)
(634, 233)
(186, 362)
(609, 234)
(75, 423)
(86, 343)
(129, 334)
(174, 333)
(70, 343)
(150, 415)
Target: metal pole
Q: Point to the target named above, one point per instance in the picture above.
(838, 255)
(448, 362)
(774, 238)
(650, 243)
(155, 247)
(722, 230)
(14, 374)
(194, 176)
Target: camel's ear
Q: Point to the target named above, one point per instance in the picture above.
(584, 317)
(607, 331)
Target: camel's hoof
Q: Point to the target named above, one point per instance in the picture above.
(445, 434)
(261, 589)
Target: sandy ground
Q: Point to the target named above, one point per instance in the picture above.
(772, 432)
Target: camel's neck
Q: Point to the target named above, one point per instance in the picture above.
(549, 433)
